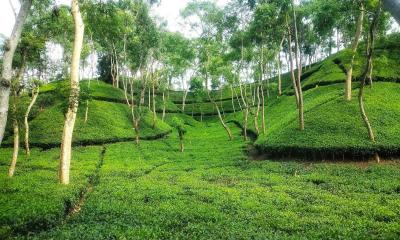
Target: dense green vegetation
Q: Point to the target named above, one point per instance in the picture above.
(108, 121)
(154, 191)
(275, 119)
(36, 177)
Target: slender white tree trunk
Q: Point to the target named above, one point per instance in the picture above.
(66, 141)
(370, 48)
(35, 94)
(163, 112)
(185, 93)
(233, 103)
(227, 129)
(299, 71)
(11, 170)
(154, 104)
(6, 75)
(292, 75)
(354, 47)
(263, 109)
(257, 110)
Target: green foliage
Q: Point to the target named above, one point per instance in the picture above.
(104, 68)
(33, 200)
(109, 120)
(212, 191)
(333, 126)
(179, 125)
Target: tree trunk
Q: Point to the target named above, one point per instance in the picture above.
(221, 103)
(370, 74)
(278, 57)
(370, 48)
(233, 103)
(279, 75)
(112, 69)
(184, 100)
(298, 80)
(86, 111)
(11, 170)
(35, 94)
(135, 119)
(227, 129)
(354, 51)
(149, 98)
(154, 105)
(163, 111)
(185, 92)
(292, 75)
(238, 101)
(181, 145)
(116, 70)
(87, 104)
(257, 111)
(66, 141)
(246, 117)
(297, 47)
(6, 75)
(263, 109)
(125, 86)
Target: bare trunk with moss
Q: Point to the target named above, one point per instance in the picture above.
(6, 74)
(70, 117)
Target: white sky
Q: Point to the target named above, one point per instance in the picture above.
(168, 10)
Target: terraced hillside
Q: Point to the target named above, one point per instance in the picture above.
(212, 190)
(215, 189)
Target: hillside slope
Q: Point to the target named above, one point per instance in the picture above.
(109, 117)
(334, 128)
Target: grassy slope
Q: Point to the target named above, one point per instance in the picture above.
(33, 200)
(108, 121)
(333, 125)
(211, 192)
(386, 59)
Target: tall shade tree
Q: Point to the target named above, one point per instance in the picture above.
(66, 141)
(31, 50)
(6, 75)
(368, 67)
(268, 34)
(211, 24)
(178, 56)
(16, 87)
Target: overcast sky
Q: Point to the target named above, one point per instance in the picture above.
(168, 10)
